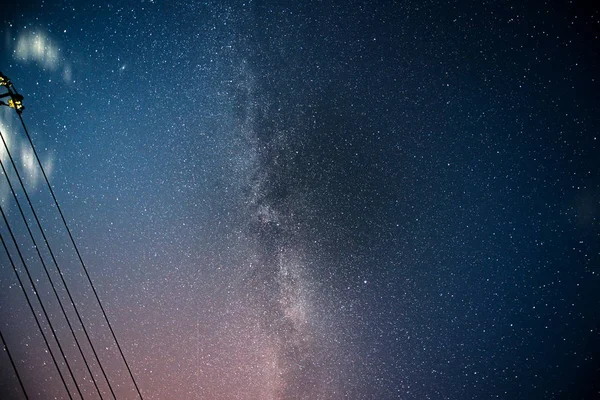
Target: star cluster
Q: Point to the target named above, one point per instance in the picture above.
(318, 200)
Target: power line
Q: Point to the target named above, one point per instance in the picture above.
(13, 364)
(75, 247)
(42, 259)
(12, 263)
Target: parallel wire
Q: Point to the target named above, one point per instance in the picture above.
(13, 364)
(42, 259)
(12, 263)
(79, 255)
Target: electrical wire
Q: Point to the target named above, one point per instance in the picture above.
(42, 259)
(39, 325)
(79, 255)
(13, 365)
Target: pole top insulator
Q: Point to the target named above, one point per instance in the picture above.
(15, 99)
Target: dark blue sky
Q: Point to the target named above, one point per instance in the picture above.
(396, 200)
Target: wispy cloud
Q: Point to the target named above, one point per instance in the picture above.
(38, 47)
(23, 156)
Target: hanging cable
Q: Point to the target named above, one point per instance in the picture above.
(15, 102)
(5, 346)
(79, 254)
(39, 325)
(42, 259)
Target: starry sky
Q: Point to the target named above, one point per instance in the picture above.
(310, 200)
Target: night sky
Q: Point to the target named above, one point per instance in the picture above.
(311, 199)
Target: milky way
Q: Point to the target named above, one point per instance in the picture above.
(279, 284)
